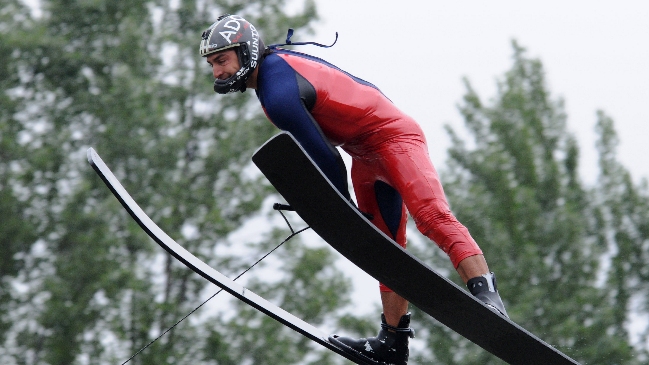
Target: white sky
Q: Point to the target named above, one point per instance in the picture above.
(595, 54)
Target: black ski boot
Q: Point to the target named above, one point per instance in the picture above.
(484, 288)
(389, 347)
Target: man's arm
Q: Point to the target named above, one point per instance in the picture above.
(287, 97)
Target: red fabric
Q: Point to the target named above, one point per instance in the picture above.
(385, 144)
(345, 109)
(403, 163)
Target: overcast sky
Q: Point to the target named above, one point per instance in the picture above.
(595, 54)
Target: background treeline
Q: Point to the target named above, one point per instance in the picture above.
(82, 284)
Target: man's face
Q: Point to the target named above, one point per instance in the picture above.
(224, 64)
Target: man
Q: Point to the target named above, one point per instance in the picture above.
(323, 106)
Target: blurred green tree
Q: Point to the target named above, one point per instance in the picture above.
(82, 284)
(514, 182)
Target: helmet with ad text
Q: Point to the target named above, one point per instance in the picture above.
(233, 32)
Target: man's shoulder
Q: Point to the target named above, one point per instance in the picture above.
(315, 69)
(278, 85)
(282, 69)
(274, 63)
(296, 59)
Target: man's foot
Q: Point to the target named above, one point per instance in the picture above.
(484, 288)
(389, 347)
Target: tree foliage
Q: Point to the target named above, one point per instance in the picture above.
(515, 183)
(81, 283)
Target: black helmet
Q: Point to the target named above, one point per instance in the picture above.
(233, 31)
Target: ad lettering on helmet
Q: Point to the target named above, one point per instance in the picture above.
(233, 24)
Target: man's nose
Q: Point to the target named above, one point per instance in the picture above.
(216, 71)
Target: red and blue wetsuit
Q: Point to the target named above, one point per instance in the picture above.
(323, 106)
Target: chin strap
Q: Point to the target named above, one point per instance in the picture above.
(290, 43)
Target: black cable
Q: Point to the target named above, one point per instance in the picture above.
(277, 207)
(291, 43)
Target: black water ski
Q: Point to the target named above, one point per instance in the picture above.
(339, 223)
(205, 270)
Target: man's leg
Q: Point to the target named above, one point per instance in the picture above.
(471, 267)
(410, 171)
(385, 205)
(394, 307)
